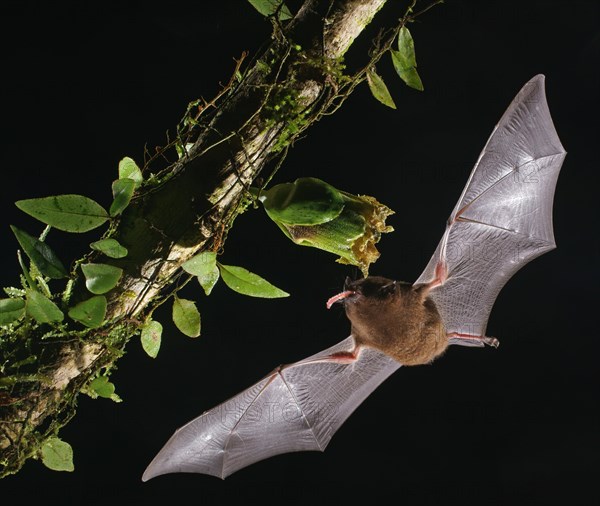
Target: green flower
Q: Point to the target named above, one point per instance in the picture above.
(313, 213)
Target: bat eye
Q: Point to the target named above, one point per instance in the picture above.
(388, 289)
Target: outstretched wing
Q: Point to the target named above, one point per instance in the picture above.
(297, 407)
(503, 218)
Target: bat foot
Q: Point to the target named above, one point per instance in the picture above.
(471, 340)
(491, 341)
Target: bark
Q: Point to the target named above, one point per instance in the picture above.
(192, 204)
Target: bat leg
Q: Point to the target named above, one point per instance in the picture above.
(471, 340)
(339, 357)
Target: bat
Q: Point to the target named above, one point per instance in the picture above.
(502, 220)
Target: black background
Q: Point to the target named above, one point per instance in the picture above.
(82, 86)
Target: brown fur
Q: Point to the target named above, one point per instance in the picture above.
(397, 319)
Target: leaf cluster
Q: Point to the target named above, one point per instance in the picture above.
(207, 270)
(36, 315)
(75, 214)
(405, 64)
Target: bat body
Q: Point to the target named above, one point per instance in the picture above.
(396, 318)
(502, 220)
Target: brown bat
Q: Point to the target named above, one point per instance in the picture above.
(502, 220)
(394, 317)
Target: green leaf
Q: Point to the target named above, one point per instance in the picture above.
(90, 312)
(101, 278)
(26, 279)
(200, 263)
(151, 337)
(404, 60)
(110, 247)
(306, 201)
(379, 89)
(69, 213)
(409, 75)
(11, 310)
(41, 308)
(40, 254)
(128, 169)
(186, 317)
(247, 283)
(57, 455)
(269, 7)
(102, 387)
(406, 48)
(122, 190)
(204, 266)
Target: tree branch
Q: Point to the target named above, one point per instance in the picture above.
(191, 204)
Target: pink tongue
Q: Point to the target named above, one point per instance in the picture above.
(337, 297)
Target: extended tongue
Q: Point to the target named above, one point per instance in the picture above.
(338, 297)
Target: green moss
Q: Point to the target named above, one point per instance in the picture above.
(30, 353)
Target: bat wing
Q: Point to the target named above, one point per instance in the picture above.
(297, 407)
(503, 218)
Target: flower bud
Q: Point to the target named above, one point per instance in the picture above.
(313, 213)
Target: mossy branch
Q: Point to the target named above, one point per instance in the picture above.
(220, 148)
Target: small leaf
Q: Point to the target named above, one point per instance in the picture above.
(41, 308)
(409, 75)
(406, 48)
(69, 213)
(57, 455)
(209, 279)
(204, 266)
(186, 317)
(379, 89)
(201, 262)
(151, 337)
(269, 7)
(110, 247)
(128, 169)
(247, 283)
(102, 387)
(90, 312)
(40, 254)
(122, 190)
(404, 60)
(11, 310)
(101, 278)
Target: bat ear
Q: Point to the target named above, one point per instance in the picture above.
(388, 289)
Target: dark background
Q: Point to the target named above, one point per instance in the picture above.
(82, 86)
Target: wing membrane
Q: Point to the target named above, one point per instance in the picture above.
(503, 219)
(297, 407)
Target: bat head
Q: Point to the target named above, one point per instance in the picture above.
(373, 289)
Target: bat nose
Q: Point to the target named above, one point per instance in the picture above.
(347, 282)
